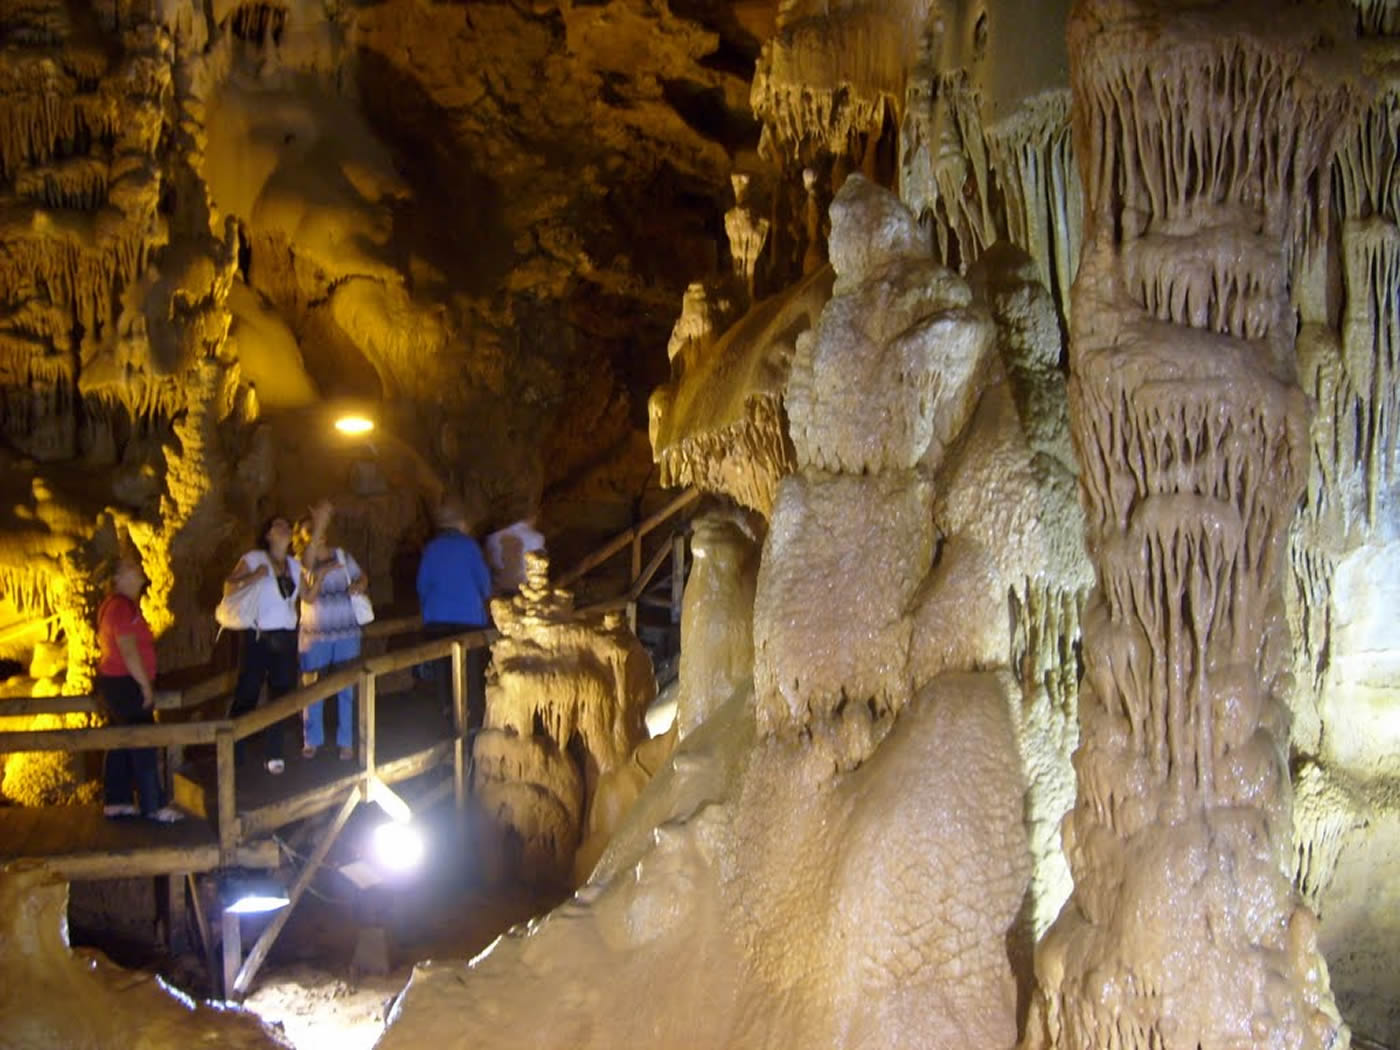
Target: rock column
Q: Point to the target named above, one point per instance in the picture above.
(1202, 133)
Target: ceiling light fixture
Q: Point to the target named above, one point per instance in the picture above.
(354, 425)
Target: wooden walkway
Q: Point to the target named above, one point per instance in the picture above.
(237, 807)
(78, 842)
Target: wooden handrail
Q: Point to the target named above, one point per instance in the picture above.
(10, 707)
(622, 539)
(102, 738)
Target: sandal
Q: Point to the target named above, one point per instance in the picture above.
(275, 766)
(347, 754)
(308, 752)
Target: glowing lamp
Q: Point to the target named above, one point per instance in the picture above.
(249, 894)
(397, 846)
(354, 425)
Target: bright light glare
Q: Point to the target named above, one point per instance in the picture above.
(397, 847)
(354, 425)
(257, 903)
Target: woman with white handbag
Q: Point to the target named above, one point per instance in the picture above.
(334, 606)
(260, 599)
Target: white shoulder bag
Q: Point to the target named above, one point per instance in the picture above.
(238, 610)
(359, 601)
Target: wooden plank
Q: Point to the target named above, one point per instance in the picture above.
(295, 702)
(250, 967)
(415, 764)
(367, 723)
(166, 700)
(644, 576)
(401, 659)
(159, 861)
(227, 781)
(389, 628)
(201, 923)
(677, 575)
(233, 950)
(621, 540)
(459, 727)
(307, 804)
(17, 824)
(461, 773)
(106, 738)
(202, 692)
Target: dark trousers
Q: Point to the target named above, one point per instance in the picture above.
(476, 672)
(271, 657)
(129, 769)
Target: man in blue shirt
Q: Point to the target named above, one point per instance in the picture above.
(453, 587)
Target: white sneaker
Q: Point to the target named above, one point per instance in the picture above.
(120, 809)
(275, 766)
(166, 815)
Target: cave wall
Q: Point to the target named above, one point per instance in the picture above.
(223, 223)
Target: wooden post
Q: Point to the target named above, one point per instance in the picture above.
(367, 720)
(636, 560)
(228, 795)
(174, 759)
(677, 575)
(459, 726)
(170, 906)
(632, 616)
(233, 952)
(245, 974)
(201, 922)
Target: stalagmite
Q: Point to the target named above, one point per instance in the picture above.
(716, 662)
(1201, 132)
(563, 711)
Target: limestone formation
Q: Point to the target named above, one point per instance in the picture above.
(792, 824)
(716, 662)
(563, 715)
(1183, 930)
(719, 425)
(54, 995)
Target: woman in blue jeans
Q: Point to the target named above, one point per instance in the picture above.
(328, 634)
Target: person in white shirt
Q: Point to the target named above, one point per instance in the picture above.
(269, 651)
(506, 550)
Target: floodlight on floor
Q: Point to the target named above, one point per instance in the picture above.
(397, 846)
(246, 893)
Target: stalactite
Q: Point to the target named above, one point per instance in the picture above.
(1327, 808)
(744, 460)
(1032, 156)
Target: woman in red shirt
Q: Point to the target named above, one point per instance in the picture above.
(126, 674)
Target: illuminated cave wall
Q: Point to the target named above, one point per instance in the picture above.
(220, 223)
(977, 102)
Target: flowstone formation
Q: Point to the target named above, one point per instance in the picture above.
(564, 714)
(1202, 134)
(801, 874)
(52, 995)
